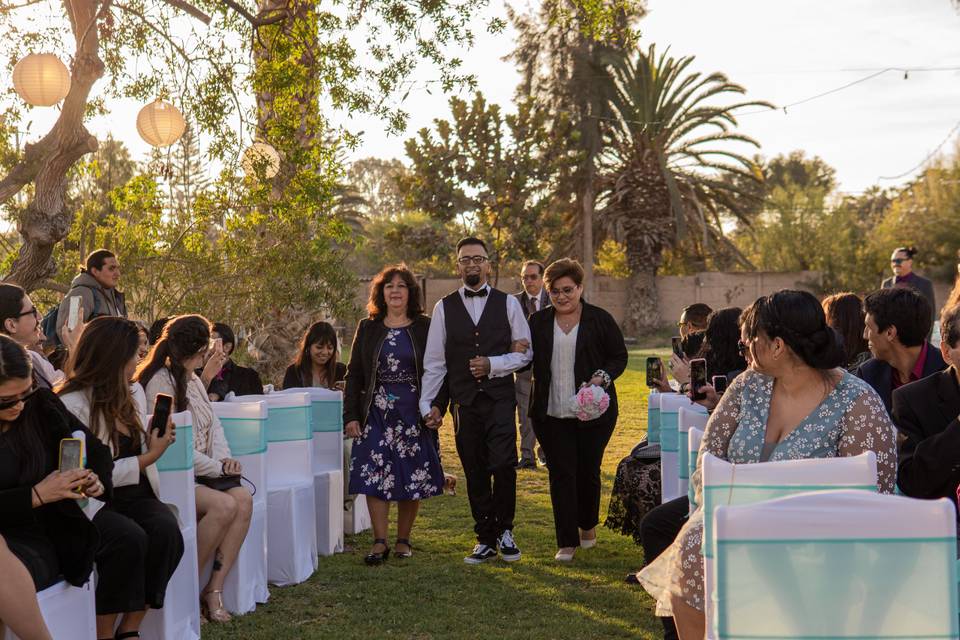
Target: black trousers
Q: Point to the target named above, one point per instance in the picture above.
(574, 454)
(140, 548)
(486, 436)
(658, 530)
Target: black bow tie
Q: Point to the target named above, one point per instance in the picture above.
(475, 294)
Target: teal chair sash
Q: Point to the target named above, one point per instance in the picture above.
(179, 455)
(246, 436)
(286, 424)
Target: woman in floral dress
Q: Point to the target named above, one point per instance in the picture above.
(794, 403)
(395, 456)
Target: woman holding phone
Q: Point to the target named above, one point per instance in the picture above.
(97, 391)
(224, 507)
(44, 533)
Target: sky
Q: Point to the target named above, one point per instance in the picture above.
(782, 51)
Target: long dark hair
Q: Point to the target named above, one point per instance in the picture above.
(182, 337)
(321, 333)
(844, 313)
(11, 301)
(721, 341)
(25, 436)
(797, 318)
(97, 363)
(377, 304)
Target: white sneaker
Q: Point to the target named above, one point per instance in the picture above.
(588, 544)
(564, 556)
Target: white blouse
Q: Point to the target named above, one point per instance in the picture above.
(563, 384)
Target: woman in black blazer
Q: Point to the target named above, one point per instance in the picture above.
(395, 456)
(574, 343)
(316, 362)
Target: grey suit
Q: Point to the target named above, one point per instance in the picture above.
(528, 440)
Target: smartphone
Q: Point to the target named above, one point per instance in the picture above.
(698, 378)
(73, 318)
(71, 454)
(676, 342)
(654, 371)
(161, 413)
(719, 384)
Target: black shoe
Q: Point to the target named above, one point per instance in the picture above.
(374, 559)
(481, 553)
(507, 546)
(526, 464)
(402, 554)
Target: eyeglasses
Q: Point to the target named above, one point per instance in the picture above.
(468, 260)
(565, 291)
(899, 260)
(31, 310)
(12, 402)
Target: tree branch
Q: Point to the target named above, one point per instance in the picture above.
(186, 7)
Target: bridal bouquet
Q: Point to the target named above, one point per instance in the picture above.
(590, 403)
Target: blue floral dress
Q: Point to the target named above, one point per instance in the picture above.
(394, 458)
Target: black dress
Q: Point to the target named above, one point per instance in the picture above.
(140, 545)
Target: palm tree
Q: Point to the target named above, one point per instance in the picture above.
(666, 168)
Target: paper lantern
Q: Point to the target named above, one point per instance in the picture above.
(160, 123)
(260, 155)
(41, 79)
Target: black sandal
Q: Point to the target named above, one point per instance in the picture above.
(374, 559)
(127, 634)
(403, 554)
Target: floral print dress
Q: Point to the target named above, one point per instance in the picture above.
(849, 421)
(395, 458)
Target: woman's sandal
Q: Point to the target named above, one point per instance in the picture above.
(403, 554)
(374, 559)
(220, 614)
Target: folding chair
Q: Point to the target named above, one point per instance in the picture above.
(687, 418)
(68, 611)
(670, 405)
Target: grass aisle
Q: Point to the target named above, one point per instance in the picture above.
(434, 595)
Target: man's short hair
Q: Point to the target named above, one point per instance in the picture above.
(697, 314)
(532, 263)
(225, 332)
(96, 259)
(903, 308)
(469, 241)
(950, 325)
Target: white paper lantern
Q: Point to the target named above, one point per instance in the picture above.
(260, 155)
(160, 123)
(41, 79)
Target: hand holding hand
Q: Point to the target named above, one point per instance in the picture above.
(352, 429)
(433, 420)
(480, 366)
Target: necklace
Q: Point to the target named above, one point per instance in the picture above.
(397, 324)
(567, 323)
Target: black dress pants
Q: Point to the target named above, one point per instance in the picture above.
(658, 530)
(574, 454)
(486, 436)
(140, 548)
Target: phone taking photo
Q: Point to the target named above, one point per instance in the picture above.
(162, 406)
(676, 343)
(719, 384)
(698, 378)
(71, 454)
(73, 316)
(654, 371)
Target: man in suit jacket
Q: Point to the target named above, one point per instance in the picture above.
(926, 414)
(897, 323)
(533, 298)
(901, 262)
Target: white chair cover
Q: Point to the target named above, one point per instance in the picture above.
(327, 425)
(69, 612)
(837, 564)
(695, 437)
(356, 516)
(670, 405)
(245, 426)
(653, 416)
(687, 418)
(736, 484)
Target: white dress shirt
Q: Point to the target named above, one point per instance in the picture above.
(434, 356)
(562, 381)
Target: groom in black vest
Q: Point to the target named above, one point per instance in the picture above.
(470, 344)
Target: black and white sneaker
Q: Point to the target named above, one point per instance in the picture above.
(481, 553)
(508, 548)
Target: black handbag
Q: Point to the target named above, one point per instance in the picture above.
(223, 483)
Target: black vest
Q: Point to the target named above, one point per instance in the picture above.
(491, 337)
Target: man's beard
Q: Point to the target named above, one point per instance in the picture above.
(471, 279)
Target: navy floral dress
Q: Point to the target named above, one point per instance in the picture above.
(394, 458)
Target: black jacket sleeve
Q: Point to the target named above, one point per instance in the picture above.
(928, 466)
(614, 348)
(291, 380)
(356, 380)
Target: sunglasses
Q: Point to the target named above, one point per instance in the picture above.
(899, 260)
(9, 403)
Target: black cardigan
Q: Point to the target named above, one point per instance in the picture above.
(361, 372)
(293, 380)
(600, 345)
(73, 535)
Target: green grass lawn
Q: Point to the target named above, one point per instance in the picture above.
(434, 595)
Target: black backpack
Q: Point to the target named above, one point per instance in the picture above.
(49, 322)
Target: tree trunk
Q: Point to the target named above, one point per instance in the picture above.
(643, 307)
(587, 227)
(46, 221)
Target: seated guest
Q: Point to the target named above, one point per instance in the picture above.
(242, 381)
(795, 402)
(897, 324)
(41, 523)
(926, 416)
(224, 507)
(692, 324)
(97, 392)
(845, 316)
(143, 344)
(316, 362)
